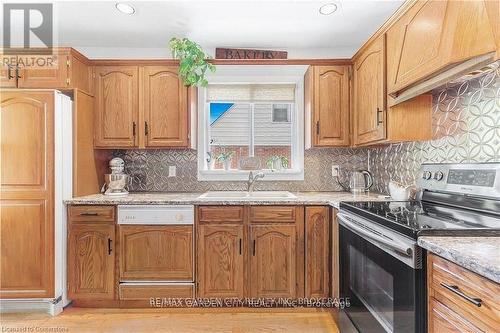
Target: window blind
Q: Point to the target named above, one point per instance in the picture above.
(284, 93)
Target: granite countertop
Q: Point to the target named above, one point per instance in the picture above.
(478, 254)
(162, 198)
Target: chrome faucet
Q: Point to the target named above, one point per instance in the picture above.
(252, 179)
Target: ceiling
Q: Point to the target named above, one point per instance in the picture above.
(295, 26)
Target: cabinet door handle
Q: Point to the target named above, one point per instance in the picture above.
(109, 246)
(253, 252)
(88, 214)
(456, 290)
(9, 72)
(133, 128)
(146, 128)
(17, 72)
(317, 127)
(378, 116)
(240, 246)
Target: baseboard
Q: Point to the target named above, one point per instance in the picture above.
(50, 306)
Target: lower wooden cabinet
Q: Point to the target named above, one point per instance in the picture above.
(91, 261)
(460, 300)
(273, 259)
(220, 261)
(156, 252)
(317, 225)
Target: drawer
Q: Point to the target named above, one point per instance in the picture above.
(91, 213)
(221, 214)
(138, 292)
(442, 319)
(452, 285)
(270, 214)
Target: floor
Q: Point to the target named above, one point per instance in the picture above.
(172, 320)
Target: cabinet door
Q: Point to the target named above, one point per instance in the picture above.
(26, 192)
(331, 106)
(156, 253)
(369, 94)
(220, 261)
(273, 270)
(116, 106)
(91, 261)
(43, 71)
(317, 251)
(444, 320)
(164, 101)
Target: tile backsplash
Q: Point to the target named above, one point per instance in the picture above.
(466, 128)
(149, 171)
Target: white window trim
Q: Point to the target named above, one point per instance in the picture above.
(297, 173)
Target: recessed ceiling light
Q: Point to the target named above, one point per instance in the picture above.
(125, 8)
(328, 9)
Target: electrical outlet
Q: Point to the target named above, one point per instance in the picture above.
(335, 170)
(172, 171)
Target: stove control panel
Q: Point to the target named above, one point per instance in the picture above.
(480, 179)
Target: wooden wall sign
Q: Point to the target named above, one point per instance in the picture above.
(223, 53)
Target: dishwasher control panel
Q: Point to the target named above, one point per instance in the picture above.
(156, 214)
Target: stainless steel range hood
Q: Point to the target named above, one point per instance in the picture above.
(462, 71)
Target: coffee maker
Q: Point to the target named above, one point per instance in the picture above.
(116, 182)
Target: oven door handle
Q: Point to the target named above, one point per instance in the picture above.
(391, 244)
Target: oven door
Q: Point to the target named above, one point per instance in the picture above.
(385, 294)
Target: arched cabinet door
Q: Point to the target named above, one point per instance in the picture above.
(116, 106)
(220, 261)
(91, 261)
(273, 261)
(164, 101)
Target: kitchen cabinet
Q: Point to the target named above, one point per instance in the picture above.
(273, 261)
(220, 260)
(116, 106)
(326, 103)
(433, 35)
(156, 252)
(141, 106)
(370, 94)
(317, 235)
(164, 102)
(460, 300)
(64, 69)
(91, 261)
(373, 121)
(27, 194)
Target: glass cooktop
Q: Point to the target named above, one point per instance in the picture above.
(417, 218)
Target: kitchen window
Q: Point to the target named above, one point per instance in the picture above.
(242, 120)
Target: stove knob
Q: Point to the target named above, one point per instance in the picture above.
(426, 175)
(438, 176)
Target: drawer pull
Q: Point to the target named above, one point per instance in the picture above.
(455, 289)
(88, 214)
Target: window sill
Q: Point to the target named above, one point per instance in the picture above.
(242, 175)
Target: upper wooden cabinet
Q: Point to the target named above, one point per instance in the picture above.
(326, 103)
(432, 35)
(64, 69)
(369, 116)
(116, 106)
(141, 107)
(27, 194)
(164, 103)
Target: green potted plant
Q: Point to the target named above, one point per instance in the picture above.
(193, 62)
(225, 159)
(277, 162)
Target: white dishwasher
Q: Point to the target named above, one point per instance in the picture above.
(156, 251)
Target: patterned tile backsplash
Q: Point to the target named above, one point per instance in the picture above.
(466, 128)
